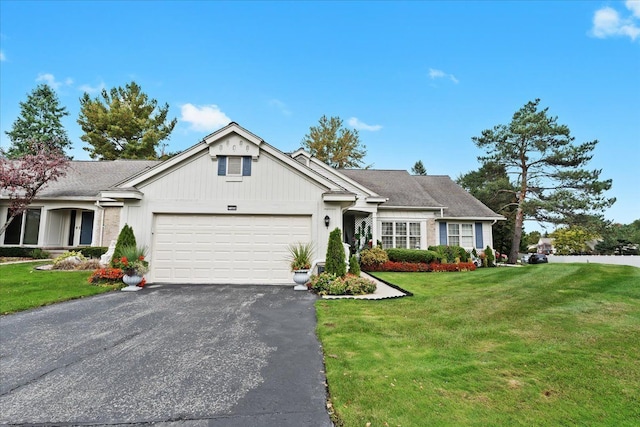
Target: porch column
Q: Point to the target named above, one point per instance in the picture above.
(374, 228)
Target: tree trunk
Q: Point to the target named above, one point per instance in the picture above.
(517, 236)
(6, 224)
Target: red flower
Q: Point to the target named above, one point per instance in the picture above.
(141, 257)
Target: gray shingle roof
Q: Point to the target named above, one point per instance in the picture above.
(431, 191)
(88, 178)
(458, 201)
(397, 185)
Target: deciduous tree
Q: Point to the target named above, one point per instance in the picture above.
(39, 121)
(123, 123)
(546, 167)
(22, 179)
(334, 144)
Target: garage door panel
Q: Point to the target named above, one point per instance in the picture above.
(225, 248)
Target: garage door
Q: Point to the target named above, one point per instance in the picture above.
(225, 248)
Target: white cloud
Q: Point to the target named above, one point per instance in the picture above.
(634, 7)
(92, 89)
(204, 117)
(51, 80)
(2, 57)
(607, 22)
(439, 74)
(276, 103)
(357, 124)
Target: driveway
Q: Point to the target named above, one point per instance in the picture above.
(187, 355)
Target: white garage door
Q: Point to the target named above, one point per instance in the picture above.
(225, 248)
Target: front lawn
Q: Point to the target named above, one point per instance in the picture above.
(22, 287)
(541, 345)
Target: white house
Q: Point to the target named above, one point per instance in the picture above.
(226, 209)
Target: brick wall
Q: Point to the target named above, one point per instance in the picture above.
(111, 225)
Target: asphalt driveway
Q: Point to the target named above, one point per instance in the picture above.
(188, 355)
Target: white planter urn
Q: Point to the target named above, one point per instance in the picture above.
(132, 283)
(301, 278)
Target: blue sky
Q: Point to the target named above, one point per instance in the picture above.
(418, 79)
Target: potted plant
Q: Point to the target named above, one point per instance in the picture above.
(300, 263)
(133, 265)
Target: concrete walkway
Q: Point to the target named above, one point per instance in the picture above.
(383, 291)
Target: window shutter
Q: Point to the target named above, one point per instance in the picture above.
(479, 238)
(443, 233)
(222, 165)
(246, 166)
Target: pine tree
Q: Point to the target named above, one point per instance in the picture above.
(124, 124)
(418, 168)
(40, 123)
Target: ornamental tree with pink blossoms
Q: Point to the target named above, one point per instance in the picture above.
(21, 179)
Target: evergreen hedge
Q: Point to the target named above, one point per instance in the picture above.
(413, 255)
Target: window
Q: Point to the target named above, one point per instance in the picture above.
(460, 235)
(236, 166)
(400, 234)
(24, 229)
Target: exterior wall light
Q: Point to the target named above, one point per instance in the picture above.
(326, 220)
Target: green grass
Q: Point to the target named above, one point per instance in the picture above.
(547, 345)
(22, 287)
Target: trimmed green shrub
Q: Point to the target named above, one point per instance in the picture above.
(335, 262)
(354, 266)
(92, 251)
(38, 253)
(13, 251)
(126, 238)
(413, 255)
(373, 256)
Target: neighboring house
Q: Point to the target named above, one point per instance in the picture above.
(545, 246)
(226, 209)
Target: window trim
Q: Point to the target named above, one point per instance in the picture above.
(407, 236)
(23, 227)
(460, 235)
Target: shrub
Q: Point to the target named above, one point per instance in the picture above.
(373, 256)
(126, 238)
(74, 264)
(38, 253)
(69, 257)
(413, 255)
(15, 252)
(354, 265)
(356, 285)
(335, 262)
(330, 284)
(93, 251)
(449, 254)
(131, 261)
(320, 283)
(490, 257)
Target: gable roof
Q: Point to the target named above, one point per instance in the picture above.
(396, 185)
(422, 191)
(85, 178)
(459, 203)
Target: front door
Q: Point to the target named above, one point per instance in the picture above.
(86, 228)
